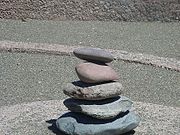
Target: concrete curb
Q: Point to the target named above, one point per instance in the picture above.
(56, 49)
(155, 119)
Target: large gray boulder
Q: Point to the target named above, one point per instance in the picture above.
(93, 54)
(95, 73)
(78, 124)
(80, 90)
(101, 109)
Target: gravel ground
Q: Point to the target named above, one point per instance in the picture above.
(102, 10)
(39, 118)
(36, 77)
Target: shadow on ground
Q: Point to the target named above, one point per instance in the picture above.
(56, 131)
(53, 127)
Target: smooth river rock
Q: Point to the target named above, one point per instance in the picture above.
(100, 109)
(95, 73)
(81, 90)
(93, 54)
(78, 124)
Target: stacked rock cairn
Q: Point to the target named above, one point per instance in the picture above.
(96, 107)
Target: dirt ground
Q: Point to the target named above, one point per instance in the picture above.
(101, 10)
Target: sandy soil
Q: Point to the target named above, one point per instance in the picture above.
(102, 10)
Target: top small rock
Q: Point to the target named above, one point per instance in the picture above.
(93, 54)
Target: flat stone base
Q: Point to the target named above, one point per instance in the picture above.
(79, 124)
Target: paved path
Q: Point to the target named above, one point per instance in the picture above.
(160, 39)
(56, 49)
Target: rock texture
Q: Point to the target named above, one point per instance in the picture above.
(95, 73)
(104, 109)
(80, 90)
(93, 54)
(96, 107)
(77, 124)
(101, 10)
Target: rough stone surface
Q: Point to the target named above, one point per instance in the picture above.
(102, 10)
(93, 54)
(95, 73)
(78, 124)
(104, 109)
(80, 90)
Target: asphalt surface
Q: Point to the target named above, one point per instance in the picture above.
(161, 39)
(36, 77)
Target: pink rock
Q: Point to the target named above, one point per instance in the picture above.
(95, 73)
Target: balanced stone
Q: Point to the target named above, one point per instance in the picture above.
(81, 90)
(78, 124)
(101, 109)
(95, 73)
(93, 54)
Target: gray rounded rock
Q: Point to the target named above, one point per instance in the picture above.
(95, 73)
(93, 54)
(78, 124)
(81, 90)
(101, 109)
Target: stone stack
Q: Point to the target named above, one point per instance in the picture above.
(95, 104)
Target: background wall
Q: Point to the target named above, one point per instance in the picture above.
(102, 10)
